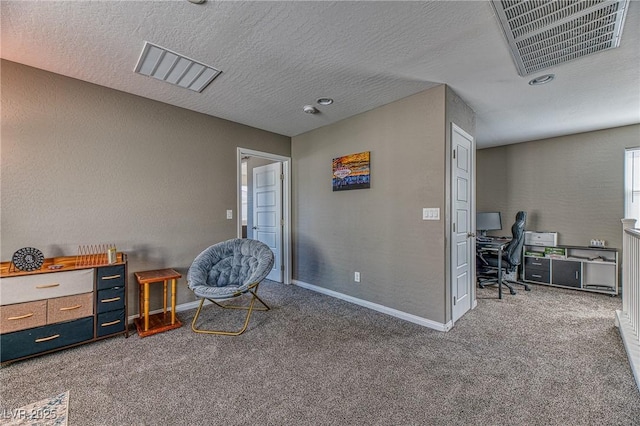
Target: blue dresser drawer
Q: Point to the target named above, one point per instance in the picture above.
(110, 276)
(110, 299)
(110, 323)
(42, 339)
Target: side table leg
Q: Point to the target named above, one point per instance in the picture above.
(146, 306)
(173, 301)
(140, 301)
(500, 272)
(165, 297)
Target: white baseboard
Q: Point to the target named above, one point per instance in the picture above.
(376, 307)
(365, 303)
(179, 308)
(631, 344)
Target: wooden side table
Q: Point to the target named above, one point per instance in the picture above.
(156, 323)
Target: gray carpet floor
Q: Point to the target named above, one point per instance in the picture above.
(545, 357)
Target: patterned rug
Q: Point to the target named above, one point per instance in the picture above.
(48, 412)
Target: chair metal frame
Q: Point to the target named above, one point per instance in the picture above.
(252, 289)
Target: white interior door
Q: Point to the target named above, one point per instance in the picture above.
(463, 243)
(267, 212)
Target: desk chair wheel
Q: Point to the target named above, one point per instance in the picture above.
(508, 285)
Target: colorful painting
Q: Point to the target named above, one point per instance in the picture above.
(351, 172)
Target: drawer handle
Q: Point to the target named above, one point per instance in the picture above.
(107, 324)
(536, 276)
(47, 285)
(46, 339)
(113, 299)
(20, 317)
(70, 308)
(111, 277)
(537, 264)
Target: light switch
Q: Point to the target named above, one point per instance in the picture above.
(431, 213)
(229, 214)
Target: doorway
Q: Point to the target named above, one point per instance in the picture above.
(264, 194)
(632, 184)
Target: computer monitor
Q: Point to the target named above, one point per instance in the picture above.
(488, 221)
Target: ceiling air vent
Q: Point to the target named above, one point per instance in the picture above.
(543, 33)
(165, 65)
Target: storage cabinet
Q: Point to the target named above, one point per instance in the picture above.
(584, 268)
(60, 306)
(566, 273)
(537, 269)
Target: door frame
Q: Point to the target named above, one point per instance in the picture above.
(286, 202)
(472, 220)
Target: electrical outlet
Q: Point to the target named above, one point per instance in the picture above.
(229, 214)
(356, 277)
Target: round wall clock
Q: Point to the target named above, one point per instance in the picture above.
(28, 259)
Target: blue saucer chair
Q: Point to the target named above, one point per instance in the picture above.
(228, 270)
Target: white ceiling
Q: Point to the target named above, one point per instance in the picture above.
(277, 57)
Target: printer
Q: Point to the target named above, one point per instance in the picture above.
(536, 238)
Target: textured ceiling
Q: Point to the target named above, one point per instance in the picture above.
(277, 57)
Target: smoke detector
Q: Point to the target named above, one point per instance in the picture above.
(310, 109)
(543, 79)
(544, 33)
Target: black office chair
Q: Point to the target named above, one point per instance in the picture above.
(511, 259)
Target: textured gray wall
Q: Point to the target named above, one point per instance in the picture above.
(83, 164)
(573, 184)
(377, 231)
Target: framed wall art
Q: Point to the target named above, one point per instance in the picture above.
(351, 171)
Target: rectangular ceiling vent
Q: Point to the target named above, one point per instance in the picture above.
(545, 33)
(165, 65)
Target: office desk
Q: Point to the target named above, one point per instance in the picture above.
(496, 246)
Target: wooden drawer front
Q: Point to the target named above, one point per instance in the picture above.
(42, 339)
(110, 299)
(110, 276)
(27, 288)
(69, 308)
(22, 316)
(110, 322)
